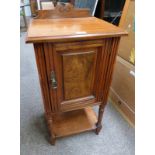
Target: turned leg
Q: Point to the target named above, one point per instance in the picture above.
(99, 122)
(50, 127)
(52, 140)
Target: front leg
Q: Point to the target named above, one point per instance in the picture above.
(99, 122)
(50, 127)
(52, 140)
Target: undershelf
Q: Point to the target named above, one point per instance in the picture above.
(74, 122)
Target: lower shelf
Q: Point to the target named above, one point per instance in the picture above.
(74, 122)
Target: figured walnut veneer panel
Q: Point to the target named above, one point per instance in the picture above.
(78, 69)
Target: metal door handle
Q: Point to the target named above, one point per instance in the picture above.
(53, 80)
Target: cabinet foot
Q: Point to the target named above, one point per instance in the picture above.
(50, 127)
(98, 128)
(52, 141)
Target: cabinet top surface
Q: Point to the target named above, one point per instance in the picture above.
(64, 29)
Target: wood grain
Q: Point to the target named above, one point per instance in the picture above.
(108, 79)
(81, 53)
(58, 30)
(53, 14)
(69, 78)
(78, 73)
(105, 50)
(43, 77)
(74, 122)
(48, 51)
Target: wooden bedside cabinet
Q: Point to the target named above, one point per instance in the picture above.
(75, 59)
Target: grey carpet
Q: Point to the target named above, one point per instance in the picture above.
(116, 137)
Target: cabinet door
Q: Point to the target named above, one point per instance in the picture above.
(78, 70)
(75, 72)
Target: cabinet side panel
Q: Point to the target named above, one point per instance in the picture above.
(112, 45)
(101, 68)
(40, 60)
(109, 72)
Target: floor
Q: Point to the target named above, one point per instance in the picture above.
(116, 138)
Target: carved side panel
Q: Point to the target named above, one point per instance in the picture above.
(110, 67)
(101, 68)
(112, 50)
(40, 60)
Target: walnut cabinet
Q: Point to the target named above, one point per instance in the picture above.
(75, 59)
